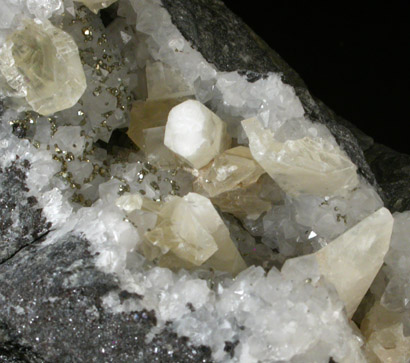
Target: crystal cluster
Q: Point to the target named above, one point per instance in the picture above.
(214, 200)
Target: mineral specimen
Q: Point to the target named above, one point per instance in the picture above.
(195, 133)
(233, 169)
(41, 63)
(153, 272)
(301, 166)
(352, 261)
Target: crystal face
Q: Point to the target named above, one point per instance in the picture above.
(41, 63)
(352, 261)
(301, 166)
(195, 133)
(233, 169)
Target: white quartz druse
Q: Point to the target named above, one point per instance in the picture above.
(195, 133)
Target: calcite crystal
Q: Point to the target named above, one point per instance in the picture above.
(233, 169)
(251, 201)
(164, 82)
(96, 5)
(385, 341)
(301, 166)
(41, 63)
(149, 114)
(195, 133)
(352, 261)
(188, 232)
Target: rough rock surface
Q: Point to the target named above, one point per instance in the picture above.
(392, 170)
(50, 309)
(21, 219)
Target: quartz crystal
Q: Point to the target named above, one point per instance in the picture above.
(195, 133)
(41, 63)
(96, 5)
(307, 165)
(352, 261)
(385, 341)
(233, 169)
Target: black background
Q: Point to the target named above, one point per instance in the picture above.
(354, 58)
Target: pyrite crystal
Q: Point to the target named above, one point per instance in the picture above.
(41, 63)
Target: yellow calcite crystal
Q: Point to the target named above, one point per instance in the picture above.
(233, 169)
(251, 201)
(188, 232)
(190, 229)
(155, 150)
(148, 114)
(385, 341)
(41, 63)
(96, 5)
(312, 166)
(164, 82)
(352, 261)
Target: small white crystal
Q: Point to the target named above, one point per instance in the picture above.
(311, 166)
(195, 133)
(129, 202)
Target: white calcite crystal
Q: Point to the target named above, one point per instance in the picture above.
(195, 133)
(352, 261)
(41, 63)
(303, 166)
(96, 5)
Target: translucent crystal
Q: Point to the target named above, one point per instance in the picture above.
(41, 63)
(165, 82)
(195, 133)
(96, 5)
(189, 232)
(352, 261)
(155, 150)
(307, 165)
(234, 168)
(385, 341)
(148, 114)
